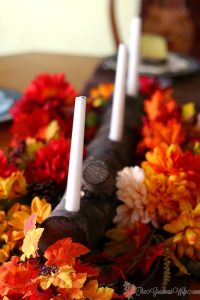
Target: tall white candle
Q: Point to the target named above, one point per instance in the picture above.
(137, 7)
(117, 116)
(73, 191)
(133, 62)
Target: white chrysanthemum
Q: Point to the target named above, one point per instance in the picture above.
(132, 191)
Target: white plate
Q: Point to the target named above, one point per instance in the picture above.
(7, 99)
(177, 65)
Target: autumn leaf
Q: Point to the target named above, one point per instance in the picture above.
(18, 280)
(30, 243)
(75, 292)
(64, 252)
(86, 268)
(150, 256)
(30, 223)
(60, 279)
(92, 291)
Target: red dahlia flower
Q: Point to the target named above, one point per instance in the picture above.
(51, 162)
(51, 94)
(30, 124)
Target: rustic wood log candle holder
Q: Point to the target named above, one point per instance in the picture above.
(98, 201)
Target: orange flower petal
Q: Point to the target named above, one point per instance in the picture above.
(191, 236)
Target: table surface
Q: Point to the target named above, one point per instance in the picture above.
(16, 71)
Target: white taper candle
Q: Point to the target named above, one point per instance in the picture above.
(133, 61)
(137, 8)
(73, 191)
(117, 116)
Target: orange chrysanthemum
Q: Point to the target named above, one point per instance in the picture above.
(186, 230)
(169, 188)
(100, 94)
(154, 133)
(161, 107)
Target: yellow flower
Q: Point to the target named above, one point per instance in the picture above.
(11, 228)
(196, 148)
(4, 253)
(3, 222)
(41, 208)
(12, 224)
(188, 111)
(52, 130)
(16, 218)
(186, 230)
(13, 186)
(100, 94)
(32, 146)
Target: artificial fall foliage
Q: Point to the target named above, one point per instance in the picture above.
(159, 214)
(29, 277)
(164, 191)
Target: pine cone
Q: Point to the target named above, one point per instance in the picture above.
(47, 189)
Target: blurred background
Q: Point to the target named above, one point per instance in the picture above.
(94, 28)
(66, 26)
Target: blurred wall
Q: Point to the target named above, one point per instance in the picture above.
(67, 26)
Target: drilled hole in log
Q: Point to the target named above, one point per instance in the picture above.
(96, 172)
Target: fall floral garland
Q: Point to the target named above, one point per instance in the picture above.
(159, 207)
(164, 190)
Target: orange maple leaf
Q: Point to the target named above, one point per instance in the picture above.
(92, 291)
(75, 292)
(64, 252)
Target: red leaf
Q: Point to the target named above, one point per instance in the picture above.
(150, 256)
(86, 268)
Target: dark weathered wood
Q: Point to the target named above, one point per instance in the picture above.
(98, 201)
